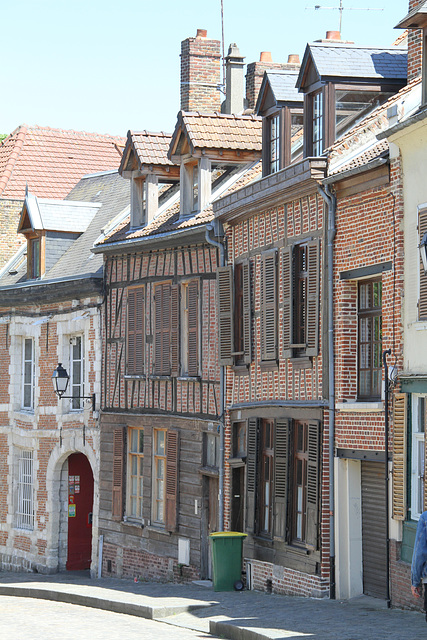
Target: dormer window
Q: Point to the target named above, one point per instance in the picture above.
(317, 123)
(274, 141)
(35, 258)
(196, 185)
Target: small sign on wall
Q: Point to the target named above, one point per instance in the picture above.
(71, 510)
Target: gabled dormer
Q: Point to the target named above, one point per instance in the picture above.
(342, 83)
(50, 228)
(209, 148)
(152, 174)
(281, 107)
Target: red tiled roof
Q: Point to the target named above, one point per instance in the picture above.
(150, 148)
(378, 150)
(52, 161)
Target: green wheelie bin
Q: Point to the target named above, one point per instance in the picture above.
(226, 559)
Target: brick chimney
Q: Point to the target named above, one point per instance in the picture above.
(415, 44)
(255, 72)
(200, 73)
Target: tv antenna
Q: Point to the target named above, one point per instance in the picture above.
(223, 49)
(341, 9)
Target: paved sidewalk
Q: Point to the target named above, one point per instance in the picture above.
(246, 615)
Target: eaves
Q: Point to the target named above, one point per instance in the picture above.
(295, 181)
(417, 117)
(43, 291)
(156, 241)
(337, 177)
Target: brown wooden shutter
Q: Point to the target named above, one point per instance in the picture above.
(422, 302)
(172, 464)
(313, 484)
(251, 474)
(162, 331)
(174, 339)
(268, 308)
(135, 331)
(118, 467)
(312, 331)
(247, 316)
(225, 314)
(158, 329)
(193, 328)
(399, 456)
(287, 302)
(281, 453)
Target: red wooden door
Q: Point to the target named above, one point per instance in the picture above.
(80, 506)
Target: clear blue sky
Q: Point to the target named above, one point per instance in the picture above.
(109, 66)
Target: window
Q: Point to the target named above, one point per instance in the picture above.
(212, 453)
(76, 372)
(35, 258)
(317, 123)
(282, 139)
(166, 331)
(369, 340)
(234, 314)
(165, 478)
(28, 374)
(300, 320)
(138, 202)
(419, 408)
(239, 439)
(190, 329)
(135, 493)
(282, 473)
(135, 335)
(159, 472)
(274, 143)
(25, 504)
(268, 306)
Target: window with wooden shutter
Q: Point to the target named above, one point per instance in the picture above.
(251, 474)
(422, 302)
(225, 314)
(190, 329)
(268, 306)
(172, 457)
(174, 342)
(287, 336)
(399, 457)
(118, 467)
(242, 314)
(135, 336)
(281, 454)
(313, 484)
(162, 331)
(313, 296)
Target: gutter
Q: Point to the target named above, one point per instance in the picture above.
(218, 231)
(155, 241)
(331, 203)
(378, 162)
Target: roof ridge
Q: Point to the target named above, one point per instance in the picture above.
(109, 136)
(150, 133)
(217, 114)
(14, 155)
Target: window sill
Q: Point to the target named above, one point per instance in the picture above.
(209, 471)
(237, 462)
(241, 369)
(135, 376)
(158, 529)
(188, 378)
(132, 523)
(269, 365)
(303, 362)
(360, 407)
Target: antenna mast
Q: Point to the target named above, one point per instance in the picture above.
(341, 9)
(223, 49)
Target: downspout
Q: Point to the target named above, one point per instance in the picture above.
(220, 246)
(386, 353)
(331, 204)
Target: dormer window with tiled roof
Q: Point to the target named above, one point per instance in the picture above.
(281, 107)
(342, 83)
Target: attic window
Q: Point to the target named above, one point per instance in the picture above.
(352, 105)
(34, 258)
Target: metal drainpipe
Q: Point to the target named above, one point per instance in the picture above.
(331, 203)
(220, 246)
(386, 353)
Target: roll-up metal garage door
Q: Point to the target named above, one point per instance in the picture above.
(374, 530)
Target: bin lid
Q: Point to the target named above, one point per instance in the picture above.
(228, 534)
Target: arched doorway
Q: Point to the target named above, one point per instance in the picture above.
(80, 509)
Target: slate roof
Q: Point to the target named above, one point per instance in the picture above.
(220, 131)
(349, 61)
(108, 189)
(59, 215)
(282, 84)
(52, 161)
(150, 148)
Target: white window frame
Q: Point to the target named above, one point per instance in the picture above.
(25, 491)
(28, 374)
(135, 478)
(159, 478)
(417, 454)
(77, 388)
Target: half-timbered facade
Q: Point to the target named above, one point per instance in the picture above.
(162, 393)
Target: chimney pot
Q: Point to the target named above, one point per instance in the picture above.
(265, 56)
(293, 58)
(333, 35)
(201, 33)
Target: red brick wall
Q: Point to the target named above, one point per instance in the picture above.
(200, 74)
(254, 76)
(414, 47)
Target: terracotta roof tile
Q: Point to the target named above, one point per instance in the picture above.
(223, 131)
(52, 161)
(150, 148)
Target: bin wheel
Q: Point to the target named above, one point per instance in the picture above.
(238, 585)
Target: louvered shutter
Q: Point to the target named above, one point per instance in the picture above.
(225, 314)
(422, 302)
(172, 458)
(174, 333)
(399, 456)
(281, 453)
(158, 330)
(162, 331)
(287, 302)
(135, 331)
(246, 278)
(268, 309)
(313, 484)
(118, 467)
(251, 474)
(193, 328)
(312, 330)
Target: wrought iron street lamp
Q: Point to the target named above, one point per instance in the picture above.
(60, 379)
